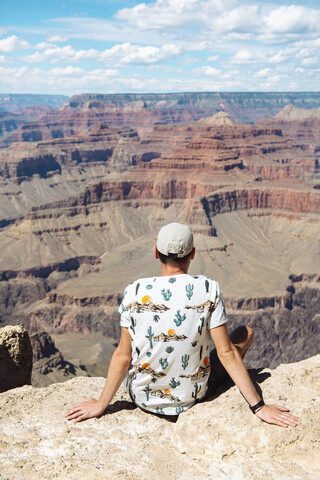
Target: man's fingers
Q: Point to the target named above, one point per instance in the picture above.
(73, 409)
(80, 418)
(280, 407)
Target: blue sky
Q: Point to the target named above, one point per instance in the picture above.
(75, 46)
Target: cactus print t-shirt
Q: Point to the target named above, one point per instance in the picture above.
(169, 320)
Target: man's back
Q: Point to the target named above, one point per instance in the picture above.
(169, 319)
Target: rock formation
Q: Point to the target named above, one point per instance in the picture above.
(79, 216)
(219, 438)
(15, 358)
(49, 365)
(142, 111)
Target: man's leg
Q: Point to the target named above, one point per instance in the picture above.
(242, 338)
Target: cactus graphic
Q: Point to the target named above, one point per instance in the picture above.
(149, 354)
(207, 285)
(172, 280)
(149, 287)
(138, 351)
(200, 353)
(160, 411)
(156, 318)
(201, 326)
(197, 389)
(189, 290)
(166, 294)
(179, 410)
(179, 318)
(164, 363)
(143, 404)
(137, 288)
(125, 293)
(185, 361)
(169, 349)
(147, 391)
(194, 343)
(149, 336)
(173, 383)
(133, 324)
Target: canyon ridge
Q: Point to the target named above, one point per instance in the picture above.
(85, 187)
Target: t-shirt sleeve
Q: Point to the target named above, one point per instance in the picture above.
(124, 314)
(218, 316)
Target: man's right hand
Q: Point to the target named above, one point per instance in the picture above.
(86, 409)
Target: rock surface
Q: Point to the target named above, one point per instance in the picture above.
(214, 440)
(15, 358)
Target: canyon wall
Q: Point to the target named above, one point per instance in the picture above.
(79, 217)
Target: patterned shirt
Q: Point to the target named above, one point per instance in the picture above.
(169, 320)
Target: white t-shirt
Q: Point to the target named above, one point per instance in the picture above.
(169, 319)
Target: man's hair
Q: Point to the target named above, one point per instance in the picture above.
(173, 259)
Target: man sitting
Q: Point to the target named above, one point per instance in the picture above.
(163, 354)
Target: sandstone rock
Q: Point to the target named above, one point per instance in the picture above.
(15, 358)
(214, 440)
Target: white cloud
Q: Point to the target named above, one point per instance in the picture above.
(122, 54)
(207, 70)
(61, 54)
(12, 44)
(43, 45)
(5, 60)
(213, 58)
(164, 14)
(293, 19)
(240, 20)
(243, 56)
(264, 72)
(308, 62)
(279, 57)
(57, 38)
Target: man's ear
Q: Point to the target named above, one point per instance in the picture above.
(156, 253)
(193, 253)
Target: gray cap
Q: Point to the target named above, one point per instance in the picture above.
(175, 238)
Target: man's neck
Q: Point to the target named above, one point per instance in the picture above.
(169, 270)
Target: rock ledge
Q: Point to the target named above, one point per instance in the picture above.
(218, 439)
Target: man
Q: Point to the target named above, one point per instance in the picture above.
(163, 352)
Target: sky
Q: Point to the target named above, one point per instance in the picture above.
(107, 46)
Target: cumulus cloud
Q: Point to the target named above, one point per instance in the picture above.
(61, 54)
(57, 38)
(207, 70)
(122, 54)
(308, 62)
(243, 56)
(164, 14)
(293, 19)
(5, 60)
(213, 58)
(12, 44)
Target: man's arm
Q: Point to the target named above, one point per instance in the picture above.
(119, 365)
(233, 363)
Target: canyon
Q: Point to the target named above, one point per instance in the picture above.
(86, 186)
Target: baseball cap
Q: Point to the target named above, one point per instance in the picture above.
(175, 238)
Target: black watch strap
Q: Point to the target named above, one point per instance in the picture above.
(256, 407)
